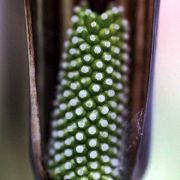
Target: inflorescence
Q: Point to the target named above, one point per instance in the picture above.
(87, 138)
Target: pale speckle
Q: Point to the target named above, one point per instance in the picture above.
(97, 49)
(121, 9)
(64, 55)
(109, 81)
(126, 58)
(116, 26)
(64, 82)
(75, 40)
(69, 32)
(88, 11)
(126, 36)
(119, 86)
(81, 124)
(107, 170)
(87, 57)
(83, 94)
(107, 57)
(72, 51)
(104, 134)
(117, 10)
(116, 172)
(125, 68)
(115, 162)
(60, 133)
(93, 116)
(73, 63)
(77, 9)
(111, 93)
(79, 136)
(114, 140)
(68, 115)
(73, 86)
(80, 29)
(93, 24)
(101, 98)
(105, 158)
(104, 147)
(70, 75)
(113, 127)
(79, 160)
(93, 143)
(99, 64)
(60, 122)
(107, 32)
(79, 148)
(80, 172)
(54, 133)
(68, 152)
(117, 62)
(104, 16)
(93, 154)
(62, 106)
(57, 145)
(74, 19)
(51, 151)
(68, 141)
(96, 88)
(92, 130)
(120, 119)
(113, 104)
(104, 110)
(94, 165)
(96, 175)
(67, 165)
(66, 44)
(125, 23)
(121, 107)
(107, 44)
(104, 122)
(71, 127)
(92, 38)
(126, 47)
(85, 69)
(113, 115)
(118, 75)
(109, 69)
(99, 76)
(83, 47)
(79, 111)
(57, 170)
(73, 102)
(116, 50)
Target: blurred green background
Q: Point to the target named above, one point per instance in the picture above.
(165, 150)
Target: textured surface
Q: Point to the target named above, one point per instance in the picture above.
(91, 106)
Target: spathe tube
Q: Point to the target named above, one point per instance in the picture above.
(143, 42)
